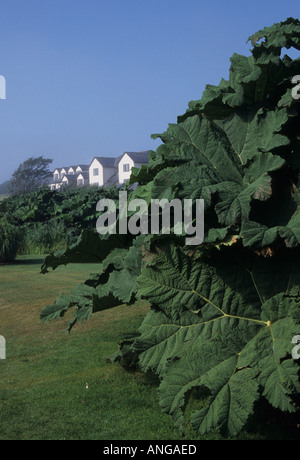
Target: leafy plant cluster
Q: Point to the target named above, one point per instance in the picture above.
(11, 239)
(52, 220)
(222, 315)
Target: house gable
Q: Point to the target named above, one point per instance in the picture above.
(82, 168)
(63, 172)
(69, 179)
(82, 179)
(96, 173)
(56, 175)
(125, 165)
(71, 170)
(127, 161)
(101, 170)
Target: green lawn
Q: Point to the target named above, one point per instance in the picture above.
(43, 392)
(55, 386)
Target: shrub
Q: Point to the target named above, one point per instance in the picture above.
(11, 240)
(45, 237)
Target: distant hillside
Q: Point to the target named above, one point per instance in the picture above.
(4, 188)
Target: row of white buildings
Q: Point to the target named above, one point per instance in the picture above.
(101, 172)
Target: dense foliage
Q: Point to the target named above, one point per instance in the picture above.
(222, 315)
(11, 240)
(52, 220)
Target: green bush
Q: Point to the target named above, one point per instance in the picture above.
(11, 240)
(44, 237)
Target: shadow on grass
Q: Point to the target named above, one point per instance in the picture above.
(37, 261)
(24, 261)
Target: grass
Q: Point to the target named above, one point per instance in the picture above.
(55, 386)
(43, 394)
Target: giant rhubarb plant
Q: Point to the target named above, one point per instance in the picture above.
(222, 315)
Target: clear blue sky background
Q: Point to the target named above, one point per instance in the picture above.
(95, 77)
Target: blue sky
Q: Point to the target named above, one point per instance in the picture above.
(94, 77)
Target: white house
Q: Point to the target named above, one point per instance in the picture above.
(127, 161)
(70, 176)
(63, 172)
(71, 170)
(101, 170)
(69, 180)
(56, 175)
(83, 179)
(55, 186)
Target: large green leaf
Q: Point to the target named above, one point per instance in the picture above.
(113, 285)
(90, 248)
(281, 35)
(251, 132)
(282, 225)
(202, 141)
(212, 327)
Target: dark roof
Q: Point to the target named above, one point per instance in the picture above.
(106, 161)
(84, 174)
(113, 180)
(49, 180)
(66, 168)
(60, 169)
(83, 167)
(137, 157)
(70, 177)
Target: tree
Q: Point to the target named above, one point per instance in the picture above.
(4, 188)
(30, 175)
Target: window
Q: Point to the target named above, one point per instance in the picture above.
(56, 176)
(80, 182)
(126, 167)
(96, 172)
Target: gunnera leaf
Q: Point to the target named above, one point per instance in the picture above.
(212, 328)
